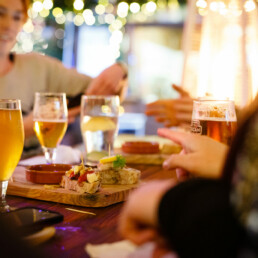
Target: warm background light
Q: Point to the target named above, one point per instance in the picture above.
(225, 65)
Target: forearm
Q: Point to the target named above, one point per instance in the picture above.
(196, 219)
(28, 125)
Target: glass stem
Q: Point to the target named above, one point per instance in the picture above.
(50, 154)
(4, 207)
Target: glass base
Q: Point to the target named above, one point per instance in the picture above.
(4, 207)
(50, 154)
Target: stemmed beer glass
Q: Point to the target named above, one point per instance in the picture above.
(50, 121)
(99, 125)
(12, 140)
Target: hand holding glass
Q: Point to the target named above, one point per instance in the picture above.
(99, 119)
(214, 118)
(12, 140)
(50, 121)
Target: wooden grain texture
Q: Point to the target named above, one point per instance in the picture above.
(78, 229)
(108, 194)
(148, 159)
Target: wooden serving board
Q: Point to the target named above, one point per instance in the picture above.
(148, 159)
(109, 194)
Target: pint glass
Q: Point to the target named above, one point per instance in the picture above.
(214, 118)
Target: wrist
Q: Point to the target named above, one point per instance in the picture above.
(124, 68)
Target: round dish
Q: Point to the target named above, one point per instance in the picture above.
(46, 173)
(140, 147)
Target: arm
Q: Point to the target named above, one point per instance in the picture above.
(28, 125)
(112, 81)
(172, 112)
(194, 217)
(201, 155)
(139, 219)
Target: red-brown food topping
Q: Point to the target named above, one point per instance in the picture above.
(140, 147)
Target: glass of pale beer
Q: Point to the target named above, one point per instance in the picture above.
(214, 118)
(99, 125)
(12, 140)
(50, 121)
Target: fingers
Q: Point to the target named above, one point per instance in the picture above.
(180, 90)
(182, 174)
(178, 137)
(140, 237)
(185, 162)
(184, 117)
(154, 111)
(75, 111)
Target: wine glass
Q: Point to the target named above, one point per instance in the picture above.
(99, 125)
(214, 118)
(50, 121)
(12, 140)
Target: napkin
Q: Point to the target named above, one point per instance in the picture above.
(124, 249)
(64, 155)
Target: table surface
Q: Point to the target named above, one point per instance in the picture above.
(78, 229)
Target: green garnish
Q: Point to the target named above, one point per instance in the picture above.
(119, 162)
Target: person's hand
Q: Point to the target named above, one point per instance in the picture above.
(201, 155)
(110, 82)
(73, 113)
(139, 218)
(172, 112)
(28, 125)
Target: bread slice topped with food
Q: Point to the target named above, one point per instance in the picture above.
(113, 171)
(81, 179)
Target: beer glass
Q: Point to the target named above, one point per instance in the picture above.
(214, 118)
(12, 140)
(50, 121)
(99, 125)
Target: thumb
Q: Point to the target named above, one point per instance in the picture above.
(180, 90)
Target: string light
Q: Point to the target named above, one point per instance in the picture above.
(78, 19)
(48, 4)
(100, 9)
(151, 7)
(78, 5)
(249, 6)
(37, 6)
(105, 12)
(44, 13)
(135, 7)
(219, 6)
(57, 11)
(60, 19)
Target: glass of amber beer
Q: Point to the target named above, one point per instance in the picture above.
(12, 140)
(50, 121)
(214, 118)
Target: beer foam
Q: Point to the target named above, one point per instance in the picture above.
(50, 120)
(216, 119)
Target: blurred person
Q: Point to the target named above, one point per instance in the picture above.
(202, 217)
(21, 75)
(172, 112)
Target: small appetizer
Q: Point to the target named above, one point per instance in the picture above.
(81, 179)
(113, 171)
(140, 147)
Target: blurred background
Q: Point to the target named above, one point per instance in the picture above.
(208, 46)
(91, 35)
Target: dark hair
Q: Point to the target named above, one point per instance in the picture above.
(26, 4)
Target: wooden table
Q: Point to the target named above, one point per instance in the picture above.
(77, 229)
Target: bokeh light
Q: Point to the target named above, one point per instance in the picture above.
(135, 7)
